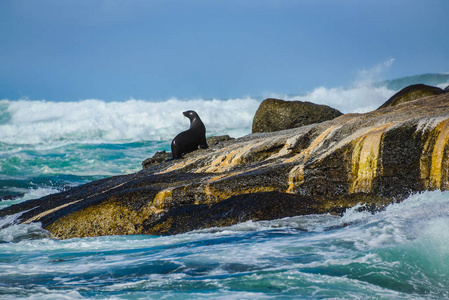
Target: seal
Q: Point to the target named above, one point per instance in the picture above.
(189, 140)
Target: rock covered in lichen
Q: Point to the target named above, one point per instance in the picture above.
(275, 114)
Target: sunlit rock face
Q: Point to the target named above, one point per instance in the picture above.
(374, 158)
(276, 114)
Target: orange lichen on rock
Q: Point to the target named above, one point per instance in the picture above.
(295, 178)
(304, 155)
(214, 195)
(296, 174)
(433, 170)
(228, 160)
(365, 159)
(161, 199)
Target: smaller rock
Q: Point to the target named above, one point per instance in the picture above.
(12, 197)
(446, 90)
(215, 140)
(410, 93)
(275, 114)
(157, 158)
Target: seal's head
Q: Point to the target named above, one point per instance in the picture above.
(190, 114)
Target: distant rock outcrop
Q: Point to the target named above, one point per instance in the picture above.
(374, 158)
(411, 93)
(275, 114)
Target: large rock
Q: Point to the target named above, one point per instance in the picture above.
(374, 158)
(411, 93)
(275, 114)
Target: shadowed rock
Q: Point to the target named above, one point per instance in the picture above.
(411, 93)
(216, 140)
(374, 158)
(157, 158)
(245, 207)
(274, 115)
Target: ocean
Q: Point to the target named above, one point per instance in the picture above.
(46, 147)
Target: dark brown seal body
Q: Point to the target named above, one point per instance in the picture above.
(189, 140)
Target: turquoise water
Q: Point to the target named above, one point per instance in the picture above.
(54, 145)
(28, 169)
(401, 253)
(46, 147)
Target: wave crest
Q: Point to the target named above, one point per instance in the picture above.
(98, 121)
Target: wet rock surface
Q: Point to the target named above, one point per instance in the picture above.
(374, 158)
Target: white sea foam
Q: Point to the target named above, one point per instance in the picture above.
(443, 85)
(399, 223)
(9, 220)
(52, 124)
(34, 193)
(97, 121)
(364, 95)
(15, 233)
(359, 99)
(407, 240)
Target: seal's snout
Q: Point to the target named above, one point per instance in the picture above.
(190, 114)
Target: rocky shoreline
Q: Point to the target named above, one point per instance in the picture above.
(374, 158)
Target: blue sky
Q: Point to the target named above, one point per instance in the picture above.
(116, 50)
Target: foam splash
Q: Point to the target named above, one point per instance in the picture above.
(33, 193)
(399, 253)
(53, 124)
(399, 223)
(8, 220)
(97, 121)
(361, 98)
(17, 233)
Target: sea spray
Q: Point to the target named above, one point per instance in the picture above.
(55, 124)
(32, 193)
(41, 124)
(398, 253)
